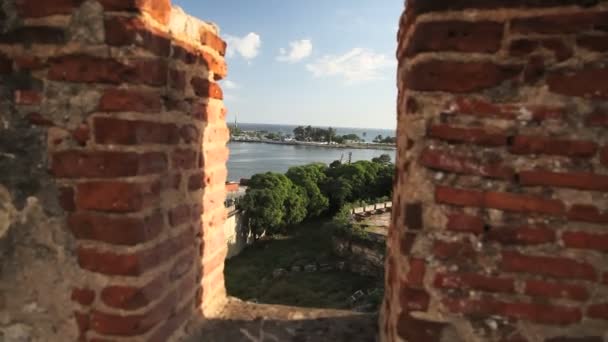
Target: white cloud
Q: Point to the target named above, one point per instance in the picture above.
(357, 65)
(247, 46)
(230, 85)
(298, 50)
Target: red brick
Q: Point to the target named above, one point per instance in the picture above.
(195, 182)
(458, 77)
(587, 213)
(467, 135)
(407, 243)
(588, 82)
(604, 156)
(88, 69)
(459, 197)
(189, 134)
(582, 240)
(459, 36)
(593, 42)
(413, 329)
(114, 196)
(464, 223)
(124, 31)
(560, 23)
(205, 88)
(469, 281)
(550, 146)
(414, 299)
(557, 267)
(184, 159)
(423, 6)
(179, 215)
(129, 231)
(126, 100)
(524, 235)
(539, 313)
(576, 180)
(453, 250)
(451, 162)
(6, 65)
(136, 263)
(509, 111)
(597, 119)
(213, 41)
(36, 9)
(415, 275)
(605, 279)
(524, 47)
(38, 120)
(214, 64)
(27, 97)
(133, 325)
(541, 288)
(82, 321)
(66, 198)
(598, 311)
(83, 296)
(576, 339)
(177, 79)
(133, 298)
(560, 50)
(185, 54)
(106, 164)
(29, 63)
(153, 72)
(125, 132)
(414, 216)
(160, 10)
(82, 134)
(33, 35)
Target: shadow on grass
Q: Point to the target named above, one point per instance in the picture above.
(249, 276)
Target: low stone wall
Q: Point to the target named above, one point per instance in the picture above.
(238, 236)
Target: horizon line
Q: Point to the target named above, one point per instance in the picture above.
(317, 126)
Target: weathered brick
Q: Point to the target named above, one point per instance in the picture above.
(115, 196)
(27, 97)
(541, 288)
(126, 132)
(414, 299)
(476, 136)
(464, 223)
(6, 65)
(452, 162)
(66, 198)
(424, 6)
(83, 296)
(189, 133)
(177, 79)
(539, 313)
(195, 182)
(597, 43)
(179, 215)
(153, 72)
(88, 69)
(185, 54)
(38, 120)
(210, 39)
(416, 272)
(576, 339)
(133, 264)
(525, 47)
(82, 322)
(560, 23)
(509, 111)
(126, 100)
(160, 10)
(598, 311)
(183, 159)
(36, 9)
(459, 77)
(106, 164)
(597, 119)
(470, 281)
(81, 134)
(583, 240)
(407, 243)
(604, 156)
(413, 329)
(587, 213)
(120, 230)
(132, 297)
(454, 251)
(557, 267)
(214, 64)
(459, 197)
(205, 88)
(460, 36)
(523, 235)
(588, 82)
(413, 216)
(545, 145)
(576, 180)
(33, 35)
(124, 31)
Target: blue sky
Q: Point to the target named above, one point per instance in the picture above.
(317, 62)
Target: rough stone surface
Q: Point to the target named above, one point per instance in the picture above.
(241, 321)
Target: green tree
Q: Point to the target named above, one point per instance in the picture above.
(383, 159)
(309, 177)
(263, 211)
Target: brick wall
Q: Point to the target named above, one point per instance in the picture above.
(123, 95)
(500, 215)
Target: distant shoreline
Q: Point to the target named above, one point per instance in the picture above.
(364, 146)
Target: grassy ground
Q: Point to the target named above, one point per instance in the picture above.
(249, 275)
